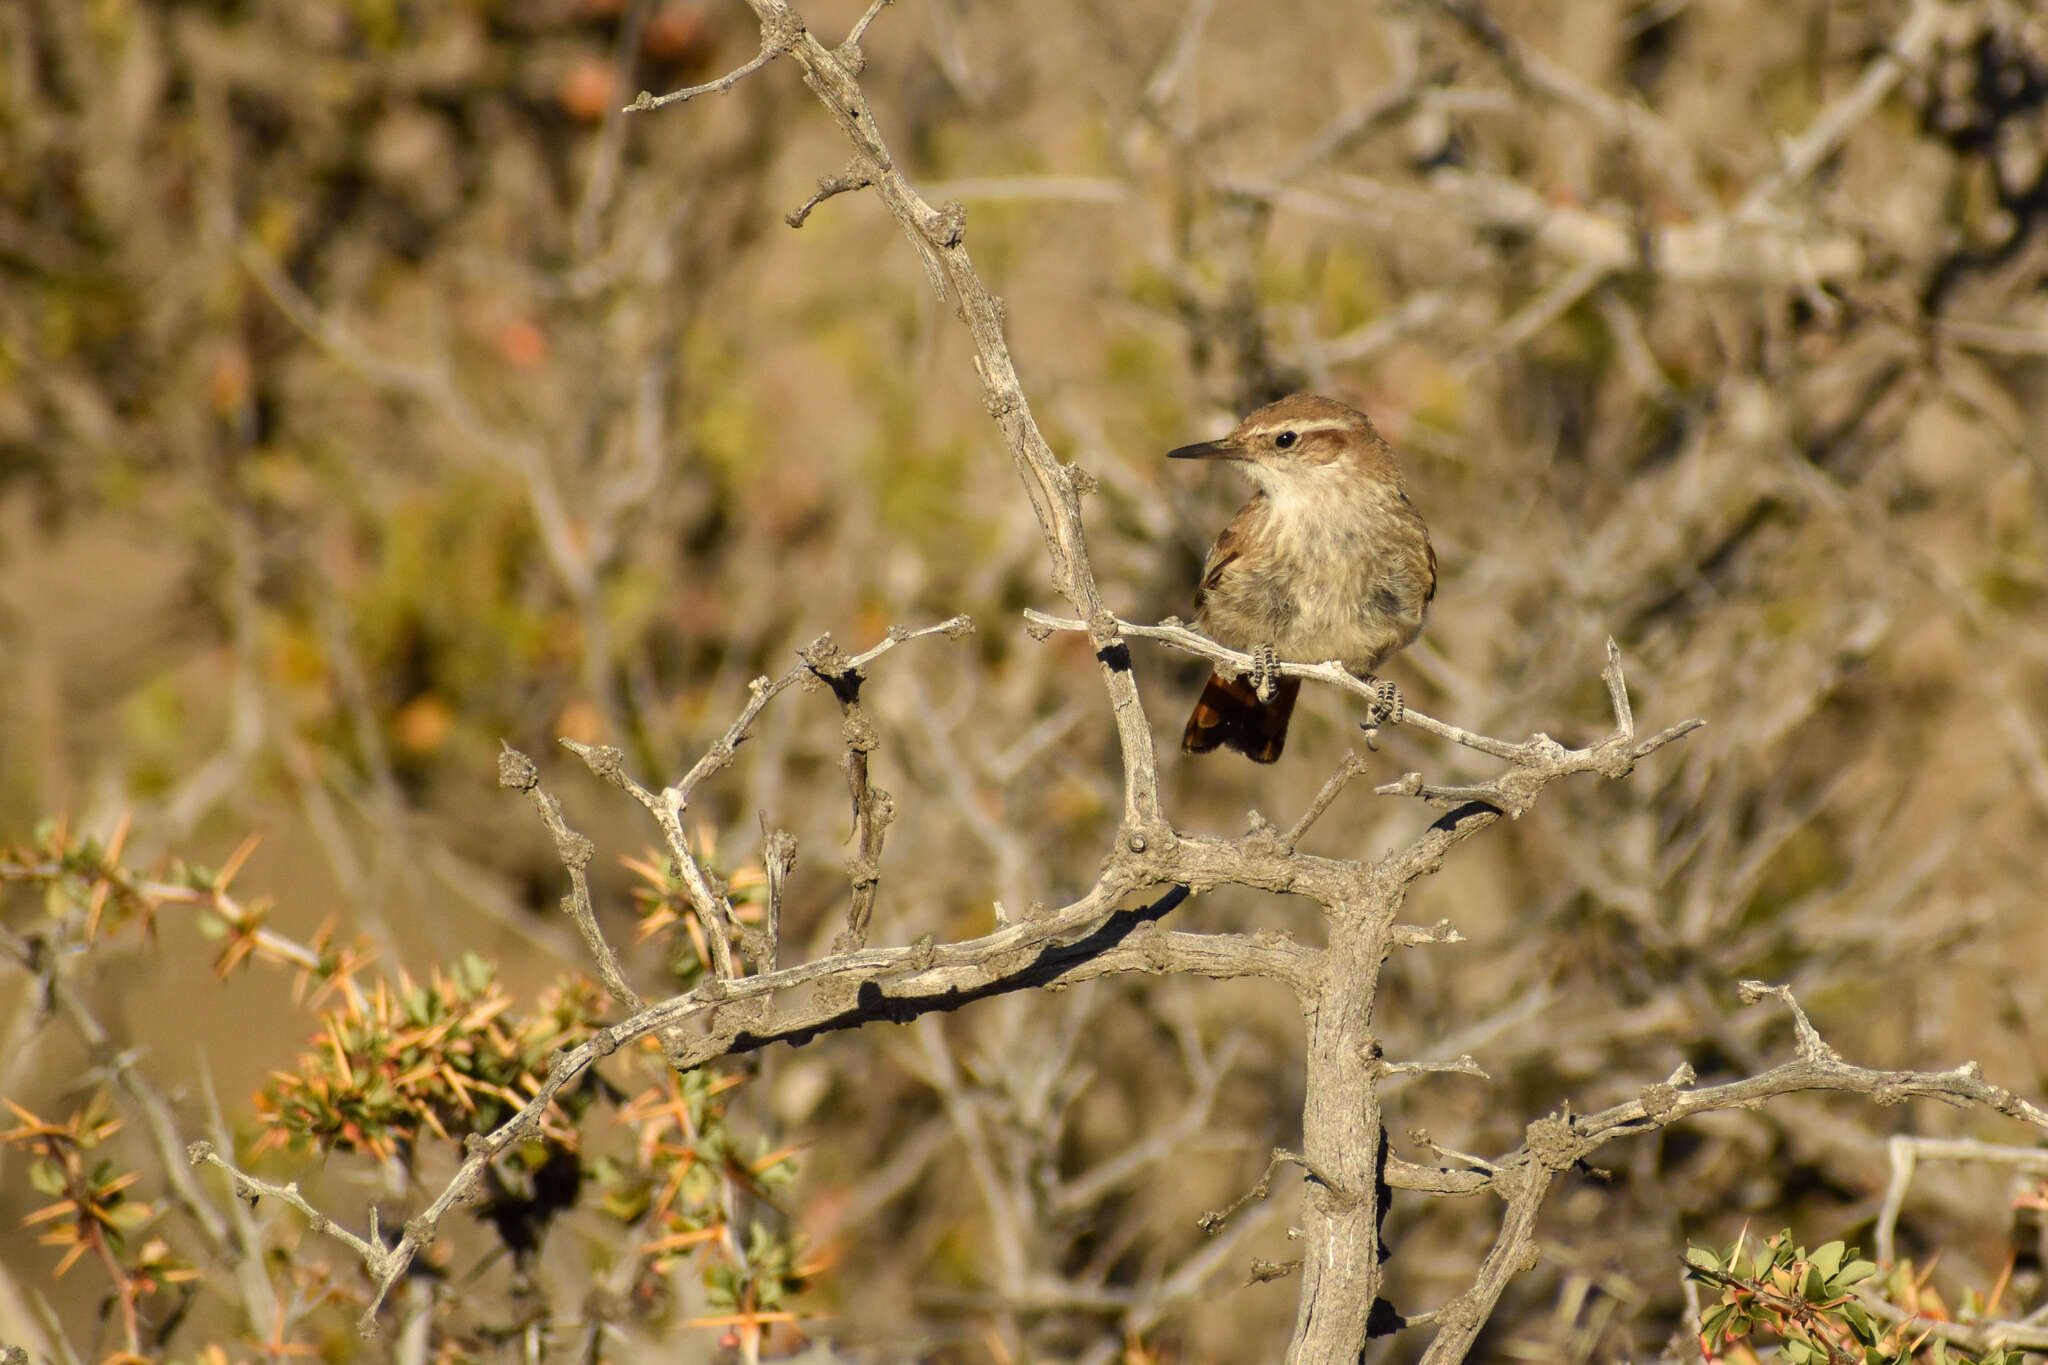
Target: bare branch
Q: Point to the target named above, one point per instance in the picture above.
(1536, 751)
(1262, 1188)
(860, 27)
(1458, 1066)
(1557, 299)
(1561, 1141)
(1665, 150)
(778, 857)
(1975, 1336)
(873, 808)
(376, 1257)
(1388, 104)
(1170, 76)
(854, 177)
(1353, 766)
(1801, 155)
(764, 690)
(1055, 489)
(770, 50)
(1701, 250)
(1811, 1045)
(1907, 1152)
(516, 771)
(713, 908)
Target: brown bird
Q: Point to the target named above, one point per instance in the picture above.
(1329, 560)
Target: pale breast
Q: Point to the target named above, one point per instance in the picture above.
(1346, 582)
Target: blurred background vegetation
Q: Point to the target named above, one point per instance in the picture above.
(373, 391)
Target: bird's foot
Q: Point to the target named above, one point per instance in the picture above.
(1386, 708)
(1265, 672)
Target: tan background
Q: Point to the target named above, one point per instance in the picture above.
(368, 394)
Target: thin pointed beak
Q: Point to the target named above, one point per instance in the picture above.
(1207, 450)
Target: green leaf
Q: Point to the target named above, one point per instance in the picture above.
(1701, 1256)
(1855, 1273)
(474, 971)
(129, 1216)
(47, 1176)
(761, 1244)
(1828, 1259)
(722, 1287)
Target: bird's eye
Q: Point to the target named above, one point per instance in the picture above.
(1284, 439)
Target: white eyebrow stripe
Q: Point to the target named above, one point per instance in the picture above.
(1302, 428)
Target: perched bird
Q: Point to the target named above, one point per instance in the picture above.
(1329, 560)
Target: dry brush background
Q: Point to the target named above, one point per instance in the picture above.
(371, 390)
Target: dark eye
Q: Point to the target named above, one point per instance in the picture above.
(1284, 439)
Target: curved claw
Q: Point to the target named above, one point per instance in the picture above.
(1385, 708)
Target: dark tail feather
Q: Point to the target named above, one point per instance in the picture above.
(1230, 714)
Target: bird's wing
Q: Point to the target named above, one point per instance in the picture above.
(1230, 546)
(1429, 593)
(1428, 550)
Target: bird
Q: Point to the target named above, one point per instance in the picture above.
(1328, 560)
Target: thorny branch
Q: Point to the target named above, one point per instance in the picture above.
(1096, 935)
(1080, 942)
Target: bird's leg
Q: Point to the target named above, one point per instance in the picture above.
(1265, 672)
(1386, 708)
